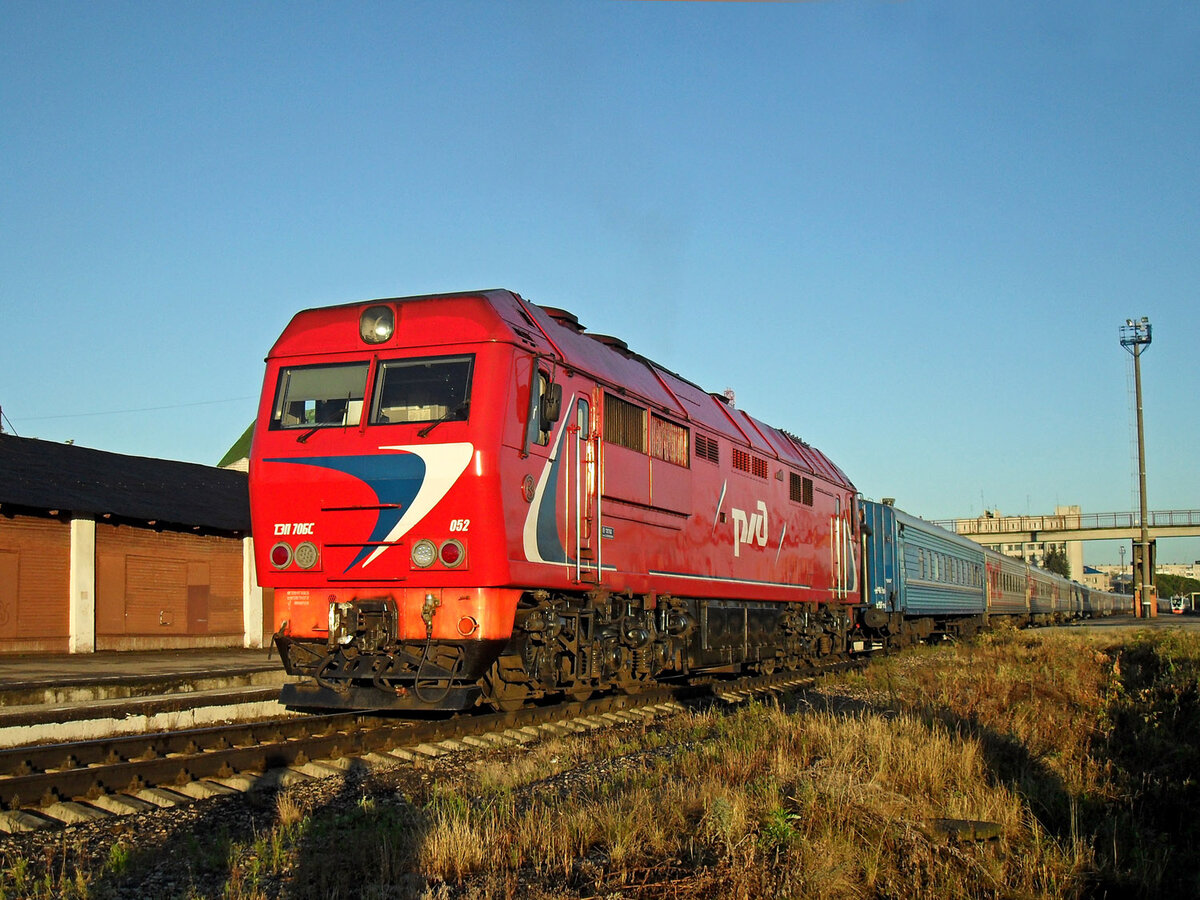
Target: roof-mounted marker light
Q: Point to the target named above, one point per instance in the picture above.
(376, 324)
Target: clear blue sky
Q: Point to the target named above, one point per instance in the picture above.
(907, 231)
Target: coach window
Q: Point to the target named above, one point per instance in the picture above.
(436, 389)
(319, 396)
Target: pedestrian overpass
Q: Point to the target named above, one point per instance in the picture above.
(992, 530)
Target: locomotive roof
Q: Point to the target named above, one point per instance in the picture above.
(48, 476)
(610, 360)
(501, 315)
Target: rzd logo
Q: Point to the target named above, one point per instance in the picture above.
(749, 530)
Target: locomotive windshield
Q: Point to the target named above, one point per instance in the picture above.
(436, 389)
(319, 396)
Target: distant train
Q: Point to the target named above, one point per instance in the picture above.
(467, 499)
(922, 580)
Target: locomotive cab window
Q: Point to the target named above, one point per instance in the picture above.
(319, 396)
(422, 390)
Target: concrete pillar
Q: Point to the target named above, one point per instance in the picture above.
(1075, 558)
(82, 617)
(252, 597)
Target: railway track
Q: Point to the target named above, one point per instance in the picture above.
(55, 784)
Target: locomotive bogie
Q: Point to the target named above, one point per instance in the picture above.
(571, 645)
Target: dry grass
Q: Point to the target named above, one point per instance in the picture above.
(290, 811)
(818, 805)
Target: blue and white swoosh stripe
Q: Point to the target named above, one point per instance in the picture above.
(411, 478)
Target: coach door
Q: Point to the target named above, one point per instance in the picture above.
(583, 490)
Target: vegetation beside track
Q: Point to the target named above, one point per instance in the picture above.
(1074, 752)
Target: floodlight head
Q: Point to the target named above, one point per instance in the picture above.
(1135, 334)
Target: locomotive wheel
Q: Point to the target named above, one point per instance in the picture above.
(502, 695)
(579, 694)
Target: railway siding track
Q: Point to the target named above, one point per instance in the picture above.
(53, 785)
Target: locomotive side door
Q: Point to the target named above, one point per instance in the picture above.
(843, 558)
(583, 491)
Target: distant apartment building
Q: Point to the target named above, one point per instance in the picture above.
(1185, 570)
(1034, 552)
(1095, 578)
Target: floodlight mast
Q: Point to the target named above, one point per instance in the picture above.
(1136, 334)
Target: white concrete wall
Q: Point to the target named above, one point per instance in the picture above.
(82, 618)
(252, 597)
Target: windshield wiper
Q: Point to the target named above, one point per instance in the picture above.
(304, 437)
(452, 414)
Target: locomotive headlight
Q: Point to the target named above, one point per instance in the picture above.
(376, 324)
(306, 555)
(424, 552)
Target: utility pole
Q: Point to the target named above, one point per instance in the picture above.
(1135, 334)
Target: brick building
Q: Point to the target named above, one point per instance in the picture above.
(101, 551)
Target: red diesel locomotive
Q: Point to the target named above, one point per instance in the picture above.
(467, 498)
